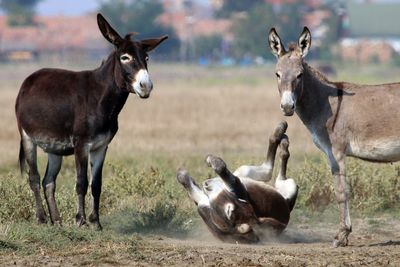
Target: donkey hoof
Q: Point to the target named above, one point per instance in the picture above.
(94, 222)
(339, 243)
(341, 240)
(279, 132)
(183, 177)
(282, 127)
(42, 220)
(97, 226)
(57, 223)
(216, 163)
(80, 220)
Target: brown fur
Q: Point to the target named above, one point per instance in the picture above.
(66, 112)
(231, 205)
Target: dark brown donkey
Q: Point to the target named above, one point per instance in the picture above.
(66, 112)
(344, 119)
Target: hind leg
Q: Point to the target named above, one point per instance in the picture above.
(49, 186)
(34, 178)
(287, 187)
(264, 171)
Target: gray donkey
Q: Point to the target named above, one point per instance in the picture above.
(344, 119)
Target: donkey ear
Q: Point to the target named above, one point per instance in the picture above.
(275, 43)
(150, 44)
(304, 42)
(108, 32)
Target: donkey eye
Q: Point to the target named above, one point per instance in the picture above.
(146, 58)
(299, 75)
(278, 75)
(125, 58)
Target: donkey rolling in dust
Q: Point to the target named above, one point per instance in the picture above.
(66, 112)
(344, 119)
(234, 203)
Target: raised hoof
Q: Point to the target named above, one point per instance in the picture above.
(216, 163)
(183, 178)
(280, 130)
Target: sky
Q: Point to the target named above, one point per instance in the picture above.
(72, 7)
(79, 7)
(66, 7)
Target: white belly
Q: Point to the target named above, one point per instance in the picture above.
(375, 150)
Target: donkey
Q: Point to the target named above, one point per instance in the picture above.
(66, 112)
(344, 119)
(233, 203)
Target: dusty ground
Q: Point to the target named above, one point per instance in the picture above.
(301, 245)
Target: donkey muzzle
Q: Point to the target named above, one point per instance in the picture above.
(288, 103)
(142, 85)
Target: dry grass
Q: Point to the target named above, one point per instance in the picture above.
(191, 111)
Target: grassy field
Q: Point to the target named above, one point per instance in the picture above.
(193, 111)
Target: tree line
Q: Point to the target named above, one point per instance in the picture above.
(251, 21)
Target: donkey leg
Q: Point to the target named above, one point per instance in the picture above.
(287, 187)
(193, 190)
(49, 186)
(284, 157)
(81, 162)
(274, 141)
(263, 172)
(96, 163)
(342, 192)
(232, 181)
(29, 149)
(220, 168)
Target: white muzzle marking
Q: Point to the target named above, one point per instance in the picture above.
(142, 84)
(287, 99)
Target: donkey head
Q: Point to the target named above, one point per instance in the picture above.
(130, 70)
(290, 68)
(231, 213)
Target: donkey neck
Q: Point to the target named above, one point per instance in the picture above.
(313, 105)
(111, 97)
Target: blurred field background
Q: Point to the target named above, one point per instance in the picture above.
(205, 100)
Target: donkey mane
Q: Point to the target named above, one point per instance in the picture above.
(324, 80)
(318, 74)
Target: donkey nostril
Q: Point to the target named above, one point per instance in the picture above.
(141, 84)
(292, 106)
(281, 106)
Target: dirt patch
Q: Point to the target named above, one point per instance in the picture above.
(370, 245)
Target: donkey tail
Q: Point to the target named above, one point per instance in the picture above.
(22, 158)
